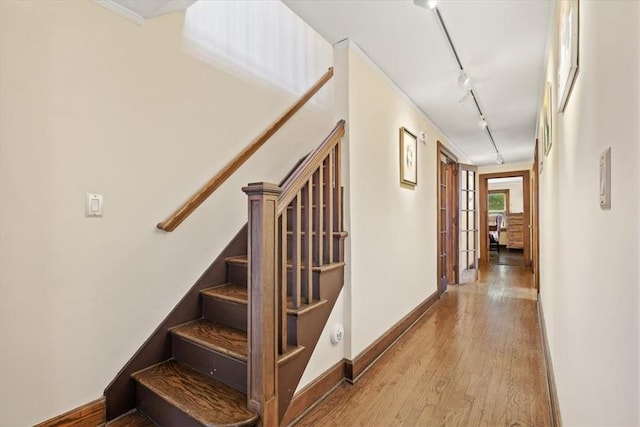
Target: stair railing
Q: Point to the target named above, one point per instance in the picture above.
(292, 229)
(206, 190)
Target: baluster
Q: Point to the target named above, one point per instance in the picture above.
(307, 250)
(282, 274)
(328, 215)
(318, 201)
(296, 249)
(337, 207)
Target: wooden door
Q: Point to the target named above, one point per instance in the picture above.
(447, 221)
(535, 234)
(468, 224)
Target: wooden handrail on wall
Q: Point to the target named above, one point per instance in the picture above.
(196, 200)
(291, 234)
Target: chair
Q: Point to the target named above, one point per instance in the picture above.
(494, 234)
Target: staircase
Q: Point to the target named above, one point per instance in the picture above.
(213, 374)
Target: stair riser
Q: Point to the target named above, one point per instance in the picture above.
(225, 312)
(225, 369)
(160, 411)
(237, 274)
(292, 330)
(316, 284)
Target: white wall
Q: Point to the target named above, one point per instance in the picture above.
(94, 103)
(589, 257)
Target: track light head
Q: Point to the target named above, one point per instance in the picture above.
(429, 4)
(499, 159)
(464, 99)
(483, 123)
(464, 81)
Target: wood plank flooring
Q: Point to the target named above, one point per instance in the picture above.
(506, 256)
(475, 359)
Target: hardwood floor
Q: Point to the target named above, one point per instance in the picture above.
(475, 359)
(514, 257)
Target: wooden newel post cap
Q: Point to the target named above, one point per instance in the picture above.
(262, 188)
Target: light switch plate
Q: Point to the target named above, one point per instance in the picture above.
(93, 205)
(605, 179)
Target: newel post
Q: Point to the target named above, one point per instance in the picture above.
(263, 301)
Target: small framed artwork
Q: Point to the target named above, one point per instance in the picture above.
(568, 50)
(547, 135)
(408, 157)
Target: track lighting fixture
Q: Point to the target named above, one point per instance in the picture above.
(430, 4)
(464, 81)
(465, 98)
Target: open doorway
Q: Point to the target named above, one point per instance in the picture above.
(505, 218)
(505, 205)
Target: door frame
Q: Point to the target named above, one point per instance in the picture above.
(453, 234)
(484, 215)
(535, 219)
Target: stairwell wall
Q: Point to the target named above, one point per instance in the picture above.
(91, 102)
(589, 268)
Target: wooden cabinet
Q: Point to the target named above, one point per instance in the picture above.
(515, 231)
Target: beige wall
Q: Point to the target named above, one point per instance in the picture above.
(507, 167)
(589, 257)
(91, 102)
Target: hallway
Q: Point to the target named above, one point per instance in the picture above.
(474, 359)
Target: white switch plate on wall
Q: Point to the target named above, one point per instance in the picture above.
(605, 179)
(93, 205)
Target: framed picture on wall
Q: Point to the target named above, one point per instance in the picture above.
(567, 51)
(408, 158)
(547, 135)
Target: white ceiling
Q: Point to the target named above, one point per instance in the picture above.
(501, 44)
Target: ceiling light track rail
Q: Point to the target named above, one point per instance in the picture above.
(446, 34)
(445, 30)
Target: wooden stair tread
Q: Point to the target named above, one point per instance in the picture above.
(304, 308)
(206, 400)
(132, 419)
(214, 336)
(292, 352)
(239, 294)
(242, 260)
(229, 292)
